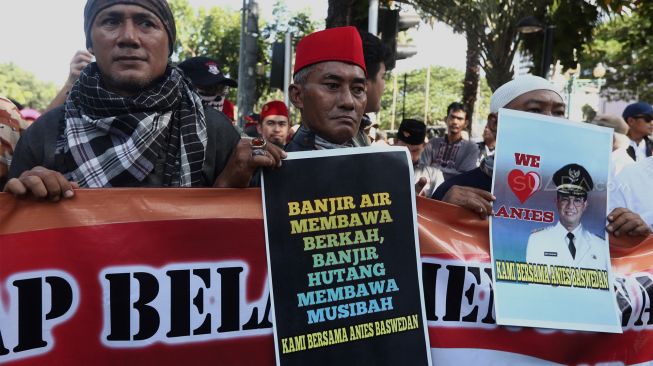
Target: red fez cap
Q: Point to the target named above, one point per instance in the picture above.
(334, 44)
(274, 108)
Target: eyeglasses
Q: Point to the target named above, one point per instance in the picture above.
(568, 200)
(646, 117)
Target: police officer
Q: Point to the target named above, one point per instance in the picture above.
(567, 243)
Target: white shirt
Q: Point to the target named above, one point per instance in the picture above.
(620, 159)
(550, 245)
(633, 189)
(433, 177)
(640, 149)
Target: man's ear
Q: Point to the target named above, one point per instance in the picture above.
(295, 92)
(629, 121)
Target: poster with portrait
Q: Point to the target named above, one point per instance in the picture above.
(549, 246)
(343, 258)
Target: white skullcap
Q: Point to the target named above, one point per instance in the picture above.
(514, 88)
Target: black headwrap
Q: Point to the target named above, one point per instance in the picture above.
(159, 7)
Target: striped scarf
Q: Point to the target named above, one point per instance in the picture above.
(110, 140)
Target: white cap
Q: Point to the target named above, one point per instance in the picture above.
(523, 84)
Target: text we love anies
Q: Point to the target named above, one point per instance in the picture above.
(524, 182)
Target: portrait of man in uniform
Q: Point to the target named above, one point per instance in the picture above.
(568, 243)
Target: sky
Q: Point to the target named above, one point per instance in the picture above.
(41, 36)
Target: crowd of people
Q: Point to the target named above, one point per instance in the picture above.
(130, 118)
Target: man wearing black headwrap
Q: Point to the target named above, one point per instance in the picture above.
(131, 120)
(412, 134)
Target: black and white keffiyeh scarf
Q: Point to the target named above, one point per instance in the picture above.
(323, 144)
(109, 140)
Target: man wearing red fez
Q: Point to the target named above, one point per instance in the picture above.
(329, 90)
(273, 125)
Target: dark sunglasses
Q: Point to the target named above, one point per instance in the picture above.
(645, 117)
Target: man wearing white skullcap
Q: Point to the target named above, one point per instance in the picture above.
(471, 189)
(509, 91)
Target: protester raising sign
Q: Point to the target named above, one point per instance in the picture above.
(550, 251)
(342, 247)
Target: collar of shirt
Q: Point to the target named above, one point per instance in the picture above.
(640, 149)
(562, 231)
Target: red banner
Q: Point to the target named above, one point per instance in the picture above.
(167, 276)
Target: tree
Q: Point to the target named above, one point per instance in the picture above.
(491, 25)
(624, 46)
(23, 87)
(445, 87)
(472, 73)
(212, 32)
(575, 22)
(298, 24)
(340, 13)
(215, 33)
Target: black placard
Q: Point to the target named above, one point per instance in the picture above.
(343, 257)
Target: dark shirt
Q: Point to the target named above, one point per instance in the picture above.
(302, 140)
(475, 178)
(452, 158)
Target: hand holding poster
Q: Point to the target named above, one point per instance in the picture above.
(344, 262)
(549, 246)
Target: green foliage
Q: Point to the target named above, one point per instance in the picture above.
(574, 21)
(23, 87)
(495, 24)
(446, 86)
(215, 33)
(298, 24)
(624, 46)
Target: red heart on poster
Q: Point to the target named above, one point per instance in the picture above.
(523, 185)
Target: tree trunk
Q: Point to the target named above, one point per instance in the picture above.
(498, 73)
(339, 13)
(246, 97)
(499, 53)
(472, 75)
